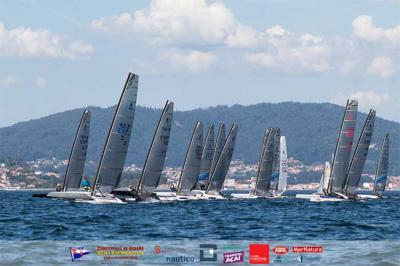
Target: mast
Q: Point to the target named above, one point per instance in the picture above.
(151, 173)
(77, 156)
(192, 163)
(382, 167)
(218, 174)
(114, 152)
(360, 155)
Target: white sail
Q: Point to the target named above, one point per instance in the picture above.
(323, 185)
(219, 145)
(276, 160)
(191, 166)
(206, 157)
(341, 158)
(155, 159)
(382, 168)
(360, 155)
(77, 157)
(283, 166)
(221, 168)
(114, 154)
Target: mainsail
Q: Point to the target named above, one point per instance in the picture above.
(207, 155)
(276, 160)
(155, 159)
(114, 153)
(360, 155)
(218, 174)
(382, 167)
(77, 157)
(341, 157)
(265, 163)
(191, 166)
(219, 145)
(283, 166)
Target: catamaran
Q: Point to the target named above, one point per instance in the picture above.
(264, 172)
(381, 174)
(221, 168)
(76, 163)
(152, 169)
(191, 166)
(341, 157)
(114, 153)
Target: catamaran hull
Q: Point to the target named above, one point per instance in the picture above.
(102, 200)
(367, 196)
(72, 195)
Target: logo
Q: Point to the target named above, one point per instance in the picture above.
(208, 252)
(307, 249)
(157, 250)
(180, 259)
(77, 252)
(280, 250)
(233, 257)
(259, 254)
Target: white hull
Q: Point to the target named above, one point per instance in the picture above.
(102, 200)
(237, 196)
(367, 196)
(213, 197)
(83, 195)
(318, 198)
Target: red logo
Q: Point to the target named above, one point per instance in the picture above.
(259, 254)
(280, 250)
(307, 249)
(157, 250)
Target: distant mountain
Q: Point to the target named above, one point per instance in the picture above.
(311, 130)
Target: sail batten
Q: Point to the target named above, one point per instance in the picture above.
(192, 164)
(77, 158)
(114, 152)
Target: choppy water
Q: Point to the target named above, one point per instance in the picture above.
(23, 218)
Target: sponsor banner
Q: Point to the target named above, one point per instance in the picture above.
(200, 252)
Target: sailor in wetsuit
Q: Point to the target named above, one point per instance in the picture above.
(85, 184)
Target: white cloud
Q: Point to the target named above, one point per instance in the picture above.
(381, 66)
(369, 98)
(284, 52)
(365, 29)
(40, 82)
(27, 42)
(192, 61)
(175, 21)
(7, 80)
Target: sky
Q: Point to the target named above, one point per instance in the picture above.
(60, 55)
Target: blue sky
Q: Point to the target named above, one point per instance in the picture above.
(59, 55)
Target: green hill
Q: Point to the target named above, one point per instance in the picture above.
(311, 131)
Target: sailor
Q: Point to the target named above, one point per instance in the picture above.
(58, 187)
(172, 187)
(85, 184)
